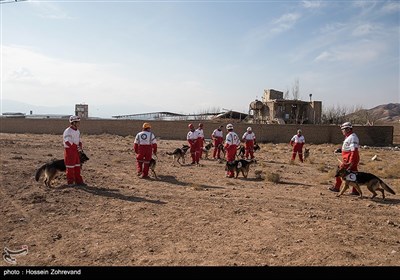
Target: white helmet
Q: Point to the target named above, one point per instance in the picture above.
(74, 119)
(229, 126)
(346, 125)
(249, 128)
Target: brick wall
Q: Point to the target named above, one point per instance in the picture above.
(177, 130)
(396, 133)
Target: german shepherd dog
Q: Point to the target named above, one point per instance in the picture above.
(51, 169)
(179, 153)
(207, 148)
(222, 149)
(241, 150)
(306, 154)
(241, 165)
(356, 179)
(152, 167)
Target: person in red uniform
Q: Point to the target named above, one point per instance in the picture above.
(72, 144)
(297, 142)
(218, 137)
(232, 141)
(350, 154)
(200, 139)
(192, 138)
(145, 145)
(249, 139)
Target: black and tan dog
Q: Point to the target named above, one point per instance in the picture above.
(356, 179)
(241, 165)
(152, 167)
(221, 148)
(240, 151)
(51, 169)
(206, 149)
(179, 153)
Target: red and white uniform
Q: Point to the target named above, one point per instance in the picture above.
(232, 141)
(200, 141)
(249, 138)
(192, 138)
(217, 136)
(350, 156)
(71, 142)
(297, 142)
(145, 145)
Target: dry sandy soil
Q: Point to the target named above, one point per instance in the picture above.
(193, 215)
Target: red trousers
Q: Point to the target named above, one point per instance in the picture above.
(217, 152)
(73, 165)
(200, 145)
(143, 159)
(194, 151)
(230, 156)
(249, 149)
(298, 148)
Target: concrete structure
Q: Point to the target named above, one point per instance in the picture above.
(177, 130)
(275, 109)
(169, 116)
(82, 111)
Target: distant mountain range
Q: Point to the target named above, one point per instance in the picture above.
(100, 111)
(386, 113)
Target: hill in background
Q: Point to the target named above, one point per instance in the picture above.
(386, 113)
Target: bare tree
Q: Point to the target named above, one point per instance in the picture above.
(296, 90)
(212, 110)
(286, 94)
(334, 114)
(363, 116)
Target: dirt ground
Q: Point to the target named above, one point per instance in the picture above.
(193, 215)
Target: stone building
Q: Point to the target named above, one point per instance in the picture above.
(273, 108)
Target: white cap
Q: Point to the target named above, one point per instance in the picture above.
(249, 128)
(229, 126)
(346, 125)
(74, 119)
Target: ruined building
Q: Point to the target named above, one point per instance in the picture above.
(273, 108)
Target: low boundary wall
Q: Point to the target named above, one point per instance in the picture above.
(177, 130)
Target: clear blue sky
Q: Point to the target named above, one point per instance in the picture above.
(127, 57)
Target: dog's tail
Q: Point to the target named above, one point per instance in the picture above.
(386, 187)
(169, 153)
(39, 172)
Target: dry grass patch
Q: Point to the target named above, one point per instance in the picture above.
(273, 177)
